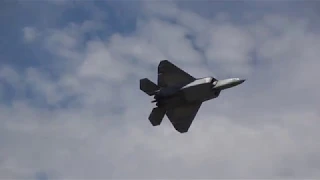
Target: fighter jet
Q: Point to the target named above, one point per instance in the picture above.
(179, 96)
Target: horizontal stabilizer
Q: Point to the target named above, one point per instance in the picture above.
(148, 86)
(157, 115)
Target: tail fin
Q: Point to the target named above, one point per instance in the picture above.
(148, 86)
(156, 116)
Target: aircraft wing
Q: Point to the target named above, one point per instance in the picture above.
(171, 75)
(183, 116)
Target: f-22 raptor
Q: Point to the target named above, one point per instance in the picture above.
(179, 95)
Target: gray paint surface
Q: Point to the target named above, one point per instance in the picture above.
(180, 96)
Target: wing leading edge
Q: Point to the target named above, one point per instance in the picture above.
(183, 116)
(171, 75)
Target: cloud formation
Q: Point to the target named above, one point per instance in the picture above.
(29, 34)
(85, 117)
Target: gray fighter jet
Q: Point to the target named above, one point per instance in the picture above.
(179, 95)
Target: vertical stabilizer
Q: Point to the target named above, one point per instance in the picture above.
(148, 86)
(157, 115)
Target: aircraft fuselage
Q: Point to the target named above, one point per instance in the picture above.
(200, 90)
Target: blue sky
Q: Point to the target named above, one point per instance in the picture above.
(71, 107)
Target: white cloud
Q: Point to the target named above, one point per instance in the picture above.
(30, 34)
(231, 46)
(10, 75)
(263, 129)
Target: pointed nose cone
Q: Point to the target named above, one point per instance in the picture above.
(241, 81)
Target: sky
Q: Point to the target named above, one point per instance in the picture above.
(70, 104)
